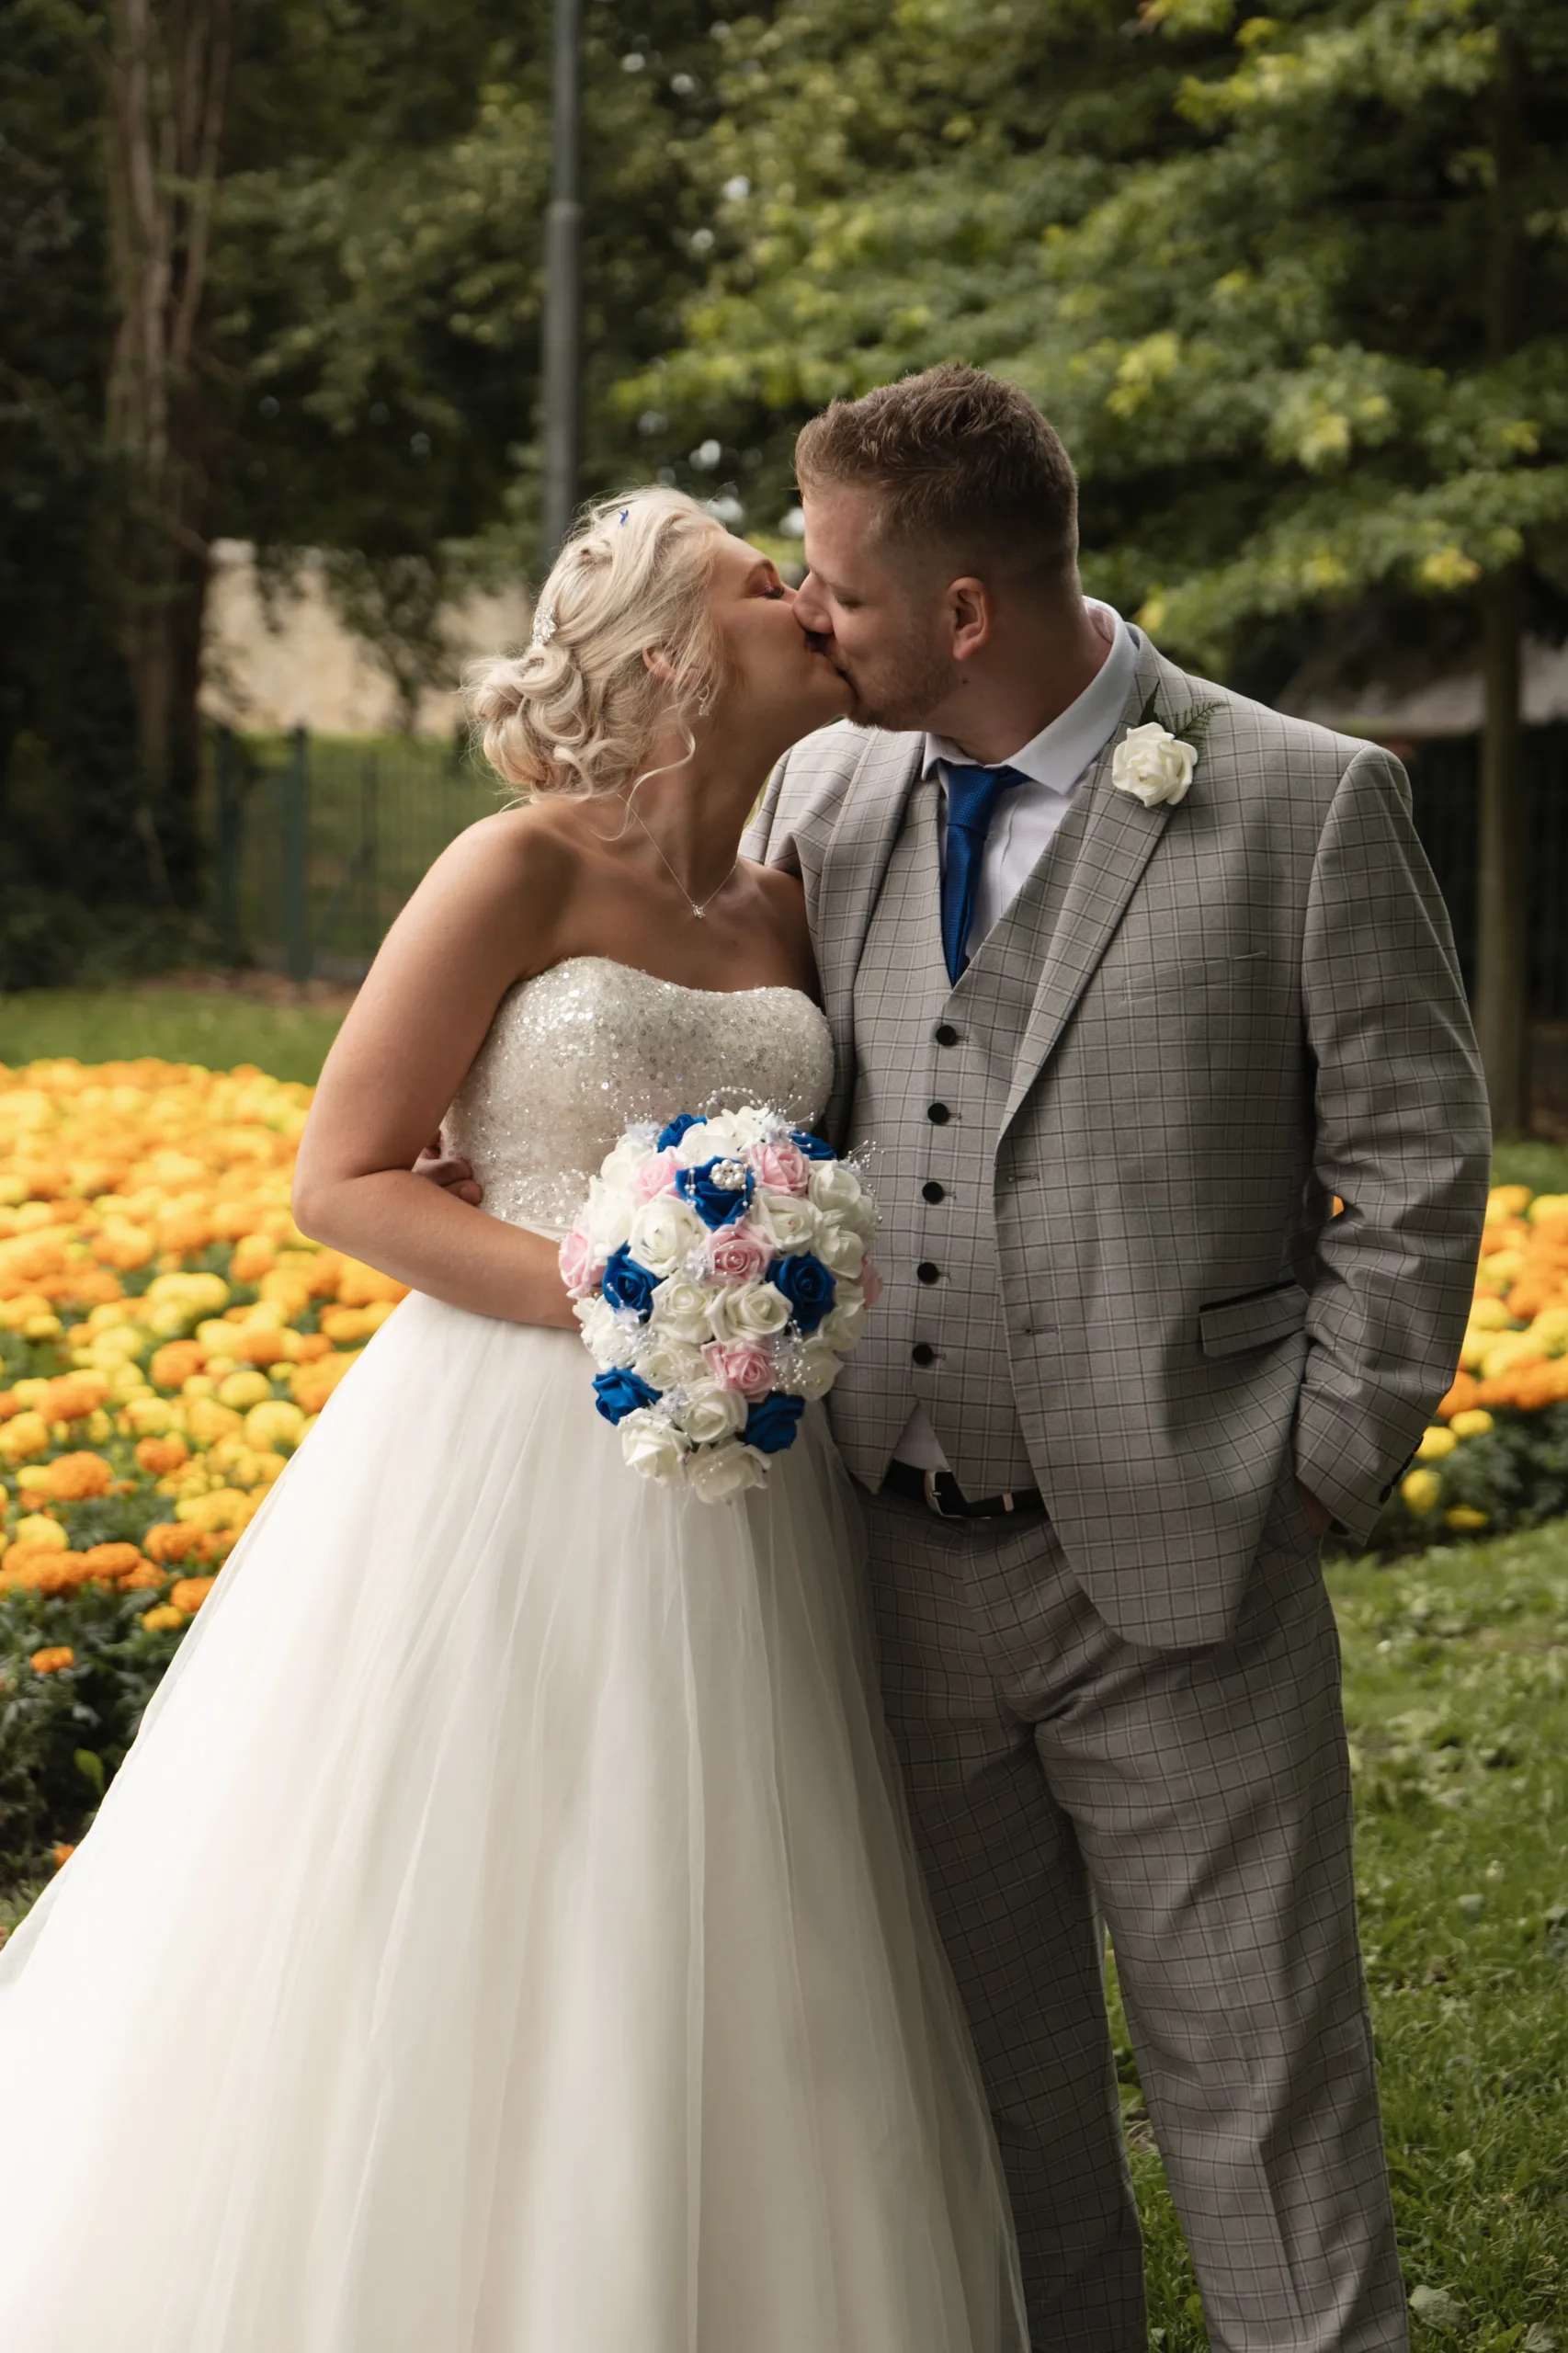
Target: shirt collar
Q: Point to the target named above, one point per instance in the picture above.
(1059, 755)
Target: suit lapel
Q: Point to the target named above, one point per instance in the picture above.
(849, 880)
(1119, 838)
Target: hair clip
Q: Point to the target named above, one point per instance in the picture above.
(624, 513)
(545, 626)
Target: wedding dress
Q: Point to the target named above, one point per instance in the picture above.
(503, 1936)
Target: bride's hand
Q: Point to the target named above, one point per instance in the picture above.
(453, 1175)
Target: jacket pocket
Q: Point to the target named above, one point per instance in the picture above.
(1231, 1326)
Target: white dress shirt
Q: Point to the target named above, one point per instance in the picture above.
(1054, 764)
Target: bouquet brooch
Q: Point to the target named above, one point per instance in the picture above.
(720, 1273)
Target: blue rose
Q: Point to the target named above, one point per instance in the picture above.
(671, 1136)
(813, 1146)
(627, 1284)
(619, 1394)
(717, 1203)
(771, 1425)
(807, 1285)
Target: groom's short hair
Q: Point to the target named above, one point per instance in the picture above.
(959, 459)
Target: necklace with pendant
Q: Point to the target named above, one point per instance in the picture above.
(699, 911)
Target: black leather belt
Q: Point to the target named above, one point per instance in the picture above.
(941, 1493)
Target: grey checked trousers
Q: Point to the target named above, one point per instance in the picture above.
(1197, 1801)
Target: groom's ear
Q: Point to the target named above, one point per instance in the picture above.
(970, 614)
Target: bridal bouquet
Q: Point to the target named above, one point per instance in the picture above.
(720, 1273)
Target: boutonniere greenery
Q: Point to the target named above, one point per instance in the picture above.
(1155, 763)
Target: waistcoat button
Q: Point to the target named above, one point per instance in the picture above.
(938, 1114)
(933, 1192)
(928, 1273)
(923, 1352)
(945, 1034)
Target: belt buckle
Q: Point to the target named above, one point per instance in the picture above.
(932, 1500)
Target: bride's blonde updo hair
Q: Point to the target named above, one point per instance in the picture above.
(575, 711)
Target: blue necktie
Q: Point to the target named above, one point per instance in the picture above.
(972, 795)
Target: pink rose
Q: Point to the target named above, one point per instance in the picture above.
(577, 1265)
(745, 1365)
(654, 1177)
(780, 1167)
(737, 1254)
(870, 1281)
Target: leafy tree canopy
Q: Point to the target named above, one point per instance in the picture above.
(1294, 285)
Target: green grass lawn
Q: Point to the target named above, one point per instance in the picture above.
(1457, 1699)
(179, 1024)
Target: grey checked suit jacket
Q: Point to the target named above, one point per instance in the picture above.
(1214, 1017)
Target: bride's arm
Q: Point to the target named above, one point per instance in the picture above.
(482, 919)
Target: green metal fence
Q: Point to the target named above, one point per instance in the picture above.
(318, 840)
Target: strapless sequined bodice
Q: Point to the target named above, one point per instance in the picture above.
(577, 1054)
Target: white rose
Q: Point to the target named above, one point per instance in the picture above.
(680, 1308)
(620, 1165)
(611, 1339)
(841, 1329)
(812, 1369)
(739, 1129)
(1152, 765)
(697, 1144)
(653, 1448)
(664, 1234)
(607, 1220)
(749, 1312)
(669, 1363)
(721, 1474)
(708, 1413)
(841, 1252)
(792, 1223)
(835, 1187)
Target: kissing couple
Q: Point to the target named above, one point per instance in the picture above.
(545, 1912)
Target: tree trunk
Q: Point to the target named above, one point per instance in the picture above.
(167, 85)
(1501, 963)
(1502, 975)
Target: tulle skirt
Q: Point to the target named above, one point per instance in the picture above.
(503, 1937)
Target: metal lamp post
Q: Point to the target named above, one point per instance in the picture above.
(563, 284)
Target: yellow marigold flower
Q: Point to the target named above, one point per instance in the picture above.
(243, 1389)
(1421, 1489)
(1435, 1442)
(163, 1614)
(25, 1434)
(42, 1327)
(1506, 1201)
(208, 1420)
(1548, 1209)
(1474, 1422)
(1488, 1315)
(1465, 1517)
(189, 1593)
(49, 1660)
(44, 1534)
(274, 1424)
(226, 1509)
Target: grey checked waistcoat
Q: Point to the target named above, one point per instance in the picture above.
(951, 1054)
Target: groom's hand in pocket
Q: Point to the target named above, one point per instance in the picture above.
(1319, 1519)
(453, 1175)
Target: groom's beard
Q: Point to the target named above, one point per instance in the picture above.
(898, 695)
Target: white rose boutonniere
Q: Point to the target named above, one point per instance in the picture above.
(1155, 763)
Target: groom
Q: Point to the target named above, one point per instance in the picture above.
(1129, 978)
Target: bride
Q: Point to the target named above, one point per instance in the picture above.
(503, 1936)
